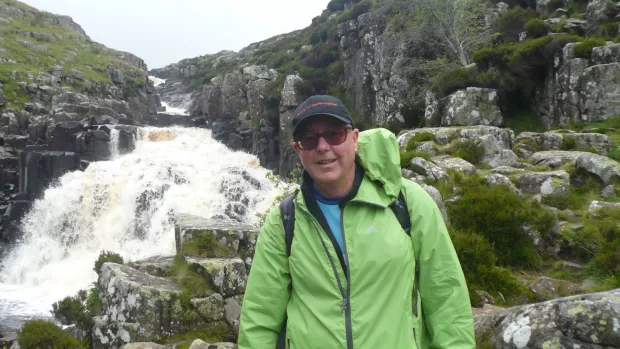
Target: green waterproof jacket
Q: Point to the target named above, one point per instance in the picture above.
(366, 297)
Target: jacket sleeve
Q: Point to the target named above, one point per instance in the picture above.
(267, 293)
(446, 308)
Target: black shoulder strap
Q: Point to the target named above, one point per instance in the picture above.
(402, 213)
(287, 212)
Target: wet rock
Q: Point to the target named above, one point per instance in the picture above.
(39, 169)
(586, 321)
(602, 167)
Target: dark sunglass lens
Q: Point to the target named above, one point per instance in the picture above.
(309, 142)
(335, 137)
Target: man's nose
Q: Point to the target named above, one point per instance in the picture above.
(323, 145)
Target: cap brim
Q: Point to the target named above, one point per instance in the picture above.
(338, 117)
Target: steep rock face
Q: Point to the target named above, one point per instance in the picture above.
(372, 69)
(468, 107)
(581, 90)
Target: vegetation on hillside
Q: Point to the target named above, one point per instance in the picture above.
(34, 43)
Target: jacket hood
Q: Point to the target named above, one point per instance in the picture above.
(379, 154)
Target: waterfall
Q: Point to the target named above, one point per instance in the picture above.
(126, 205)
(114, 135)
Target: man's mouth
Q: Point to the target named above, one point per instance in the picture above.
(326, 162)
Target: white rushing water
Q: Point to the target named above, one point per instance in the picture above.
(178, 104)
(122, 205)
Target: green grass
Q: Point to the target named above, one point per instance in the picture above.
(211, 333)
(525, 122)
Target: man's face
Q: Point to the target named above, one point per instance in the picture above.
(328, 164)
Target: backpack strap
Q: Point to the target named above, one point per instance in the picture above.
(287, 213)
(402, 213)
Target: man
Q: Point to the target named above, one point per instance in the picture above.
(354, 278)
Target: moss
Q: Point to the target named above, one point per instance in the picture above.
(193, 284)
(468, 150)
(211, 333)
(415, 141)
(204, 244)
(584, 49)
(536, 28)
(40, 334)
(484, 339)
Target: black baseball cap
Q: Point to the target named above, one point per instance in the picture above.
(321, 105)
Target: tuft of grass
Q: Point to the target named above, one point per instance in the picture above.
(525, 122)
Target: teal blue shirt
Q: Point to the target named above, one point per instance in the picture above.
(331, 211)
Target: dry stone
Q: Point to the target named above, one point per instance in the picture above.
(606, 169)
(429, 170)
(584, 321)
(228, 275)
(554, 183)
(472, 106)
(455, 164)
(545, 288)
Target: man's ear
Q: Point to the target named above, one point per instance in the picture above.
(296, 147)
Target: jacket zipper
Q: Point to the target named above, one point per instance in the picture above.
(346, 309)
(347, 300)
(416, 285)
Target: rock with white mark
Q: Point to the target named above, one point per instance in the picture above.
(227, 275)
(553, 183)
(429, 170)
(455, 164)
(472, 106)
(606, 169)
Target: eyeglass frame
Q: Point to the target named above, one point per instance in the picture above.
(348, 128)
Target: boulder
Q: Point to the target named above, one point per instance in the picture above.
(545, 288)
(600, 205)
(584, 321)
(445, 135)
(156, 266)
(495, 155)
(608, 192)
(595, 12)
(427, 148)
(64, 136)
(554, 183)
(507, 170)
(556, 158)
(496, 179)
(94, 145)
(454, 164)
(472, 106)
(113, 335)
(429, 170)
(145, 346)
(200, 344)
(255, 72)
(599, 87)
(436, 195)
(602, 167)
(199, 237)
(130, 296)
(228, 275)
(210, 308)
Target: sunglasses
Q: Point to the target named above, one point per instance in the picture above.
(332, 137)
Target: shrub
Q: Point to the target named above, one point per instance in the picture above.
(468, 150)
(415, 141)
(40, 334)
(513, 22)
(450, 81)
(536, 28)
(601, 237)
(106, 256)
(584, 48)
(610, 29)
(407, 156)
(569, 143)
(500, 216)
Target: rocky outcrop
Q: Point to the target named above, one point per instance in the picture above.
(427, 171)
(289, 102)
(37, 170)
(581, 90)
(200, 344)
(585, 321)
(545, 288)
(602, 167)
(556, 158)
(454, 164)
(527, 143)
(470, 107)
(494, 153)
(553, 183)
(374, 62)
(445, 135)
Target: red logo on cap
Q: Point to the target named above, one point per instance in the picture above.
(318, 104)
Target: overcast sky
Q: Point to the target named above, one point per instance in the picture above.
(165, 31)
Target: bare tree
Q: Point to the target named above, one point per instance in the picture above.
(458, 26)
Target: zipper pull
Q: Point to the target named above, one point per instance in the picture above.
(345, 304)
